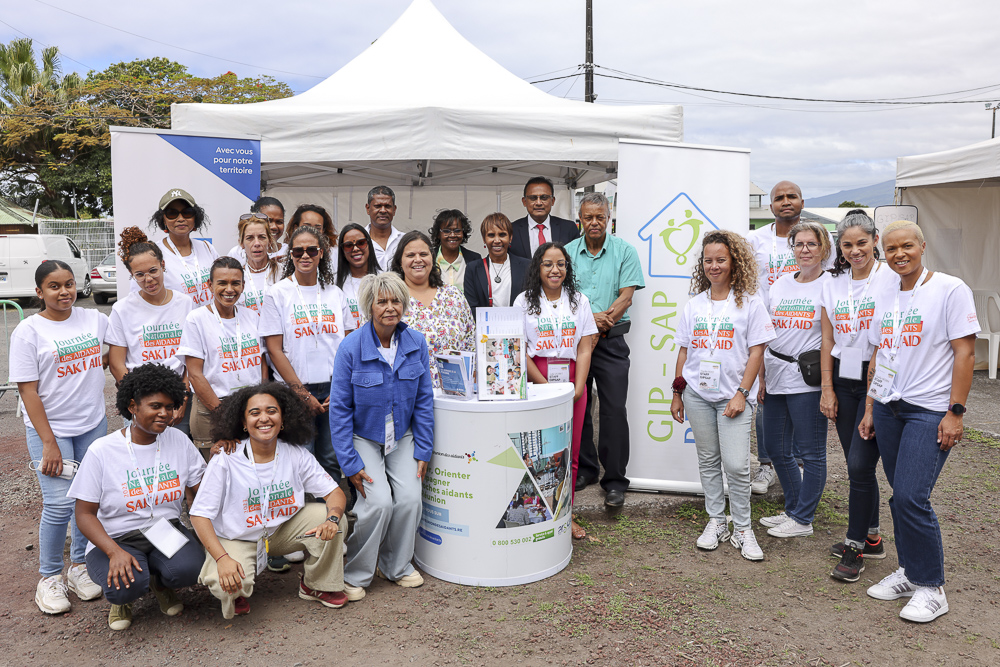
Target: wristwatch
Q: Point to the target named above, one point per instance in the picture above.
(745, 392)
(958, 409)
(333, 519)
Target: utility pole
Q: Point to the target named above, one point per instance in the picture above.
(992, 108)
(588, 65)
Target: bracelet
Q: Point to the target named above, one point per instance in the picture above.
(224, 554)
(679, 384)
(828, 386)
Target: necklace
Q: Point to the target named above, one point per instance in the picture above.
(497, 279)
(260, 270)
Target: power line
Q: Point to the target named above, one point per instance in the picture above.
(61, 53)
(174, 46)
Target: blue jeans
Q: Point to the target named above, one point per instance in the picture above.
(763, 456)
(322, 446)
(796, 418)
(912, 460)
(57, 509)
(722, 443)
(861, 455)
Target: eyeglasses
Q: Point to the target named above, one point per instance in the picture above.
(172, 213)
(451, 232)
(255, 216)
(548, 265)
(312, 251)
(152, 273)
(541, 198)
(360, 244)
(812, 245)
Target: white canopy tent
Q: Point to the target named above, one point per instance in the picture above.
(425, 112)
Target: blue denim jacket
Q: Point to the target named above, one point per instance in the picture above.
(364, 387)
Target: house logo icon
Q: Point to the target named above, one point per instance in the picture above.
(671, 235)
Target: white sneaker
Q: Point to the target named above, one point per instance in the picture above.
(772, 521)
(893, 587)
(746, 542)
(354, 593)
(791, 528)
(926, 604)
(79, 582)
(763, 480)
(50, 595)
(716, 531)
(296, 557)
(411, 580)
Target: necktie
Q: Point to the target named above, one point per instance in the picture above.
(541, 234)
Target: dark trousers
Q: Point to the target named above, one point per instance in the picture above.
(862, 455)
(177, 572)
(609, 366)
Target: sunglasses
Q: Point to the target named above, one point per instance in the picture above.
(172, 213)
(312, 251)
(360, 244)
(255, 216)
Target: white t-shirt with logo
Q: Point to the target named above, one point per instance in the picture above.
(556, 332)
(309, 344)
(776, 259)
(65, 359)
(838, 307)
(350, 289)
(255, 286)
(188, 275)
(738, 330)
(149, 334)
(226, 368)
(942, 311)
(231, 493)
(795, 311)
(107, 477)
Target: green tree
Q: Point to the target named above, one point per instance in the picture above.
(21, 78)
(851, 204)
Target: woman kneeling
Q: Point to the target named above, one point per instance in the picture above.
(253, 505)
(129, 490)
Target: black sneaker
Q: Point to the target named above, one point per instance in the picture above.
(278, 564)
(850, 567)
(871, 551)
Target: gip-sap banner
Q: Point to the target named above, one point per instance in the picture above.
(221, 173)
(669, 196)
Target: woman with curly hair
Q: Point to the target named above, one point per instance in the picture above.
(303, 322)
(254, 501)
(146, 326)
(187, 260)
(561, 334)
(449, 234)
(311, 215)
(793, 398)
(722, 333)
(436, 310)
(129, 493)
(356, 259)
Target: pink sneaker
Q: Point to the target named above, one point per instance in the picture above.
(335, 600)
(242, 606)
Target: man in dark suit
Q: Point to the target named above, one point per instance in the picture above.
(499, 278)
(539, 227)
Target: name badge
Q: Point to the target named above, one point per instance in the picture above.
(881, 386)
(167, 539)
(709, 375)
(390, 435)
(261, 555)
(850, 363)
(558, 370)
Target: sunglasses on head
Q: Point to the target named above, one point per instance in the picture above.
(360, 244)
(172, 213)
(312, 251)
(255, 216)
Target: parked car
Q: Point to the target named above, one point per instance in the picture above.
(103, 279)
(20, 255)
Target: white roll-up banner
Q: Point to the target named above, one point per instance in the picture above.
(669, 196)
(221, 173)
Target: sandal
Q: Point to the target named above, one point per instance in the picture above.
(578, 532)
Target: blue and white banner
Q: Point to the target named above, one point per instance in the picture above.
(221, 173)
(669, 195)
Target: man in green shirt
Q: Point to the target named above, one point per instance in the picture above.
(607, 270)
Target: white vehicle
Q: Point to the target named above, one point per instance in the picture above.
(20, 255)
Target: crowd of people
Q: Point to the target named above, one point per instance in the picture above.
(253, 383)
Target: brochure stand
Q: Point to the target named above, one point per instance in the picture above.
(497, 494)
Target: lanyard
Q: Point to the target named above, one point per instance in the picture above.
(556, 316)
(239, 339)
(489, 278)
(258, 292)
(319, 310)
(898, 316)
(265, 492)
(151, 491)
(713, 331)
(774, 251)
(855, 308)
(187, 267)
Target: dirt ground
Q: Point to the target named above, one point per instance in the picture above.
(636, 593)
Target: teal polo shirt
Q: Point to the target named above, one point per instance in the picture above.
(600, 277)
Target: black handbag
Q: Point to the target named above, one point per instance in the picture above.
(809, 365)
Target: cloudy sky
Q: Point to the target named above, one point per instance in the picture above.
(807, 49)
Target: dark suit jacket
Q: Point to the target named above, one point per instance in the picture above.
(477, 287)
(563, 231)
(471, 257)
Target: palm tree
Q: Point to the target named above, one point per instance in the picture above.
(21, 79)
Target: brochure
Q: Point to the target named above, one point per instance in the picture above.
(501, 360)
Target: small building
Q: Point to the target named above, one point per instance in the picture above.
(15, 220)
